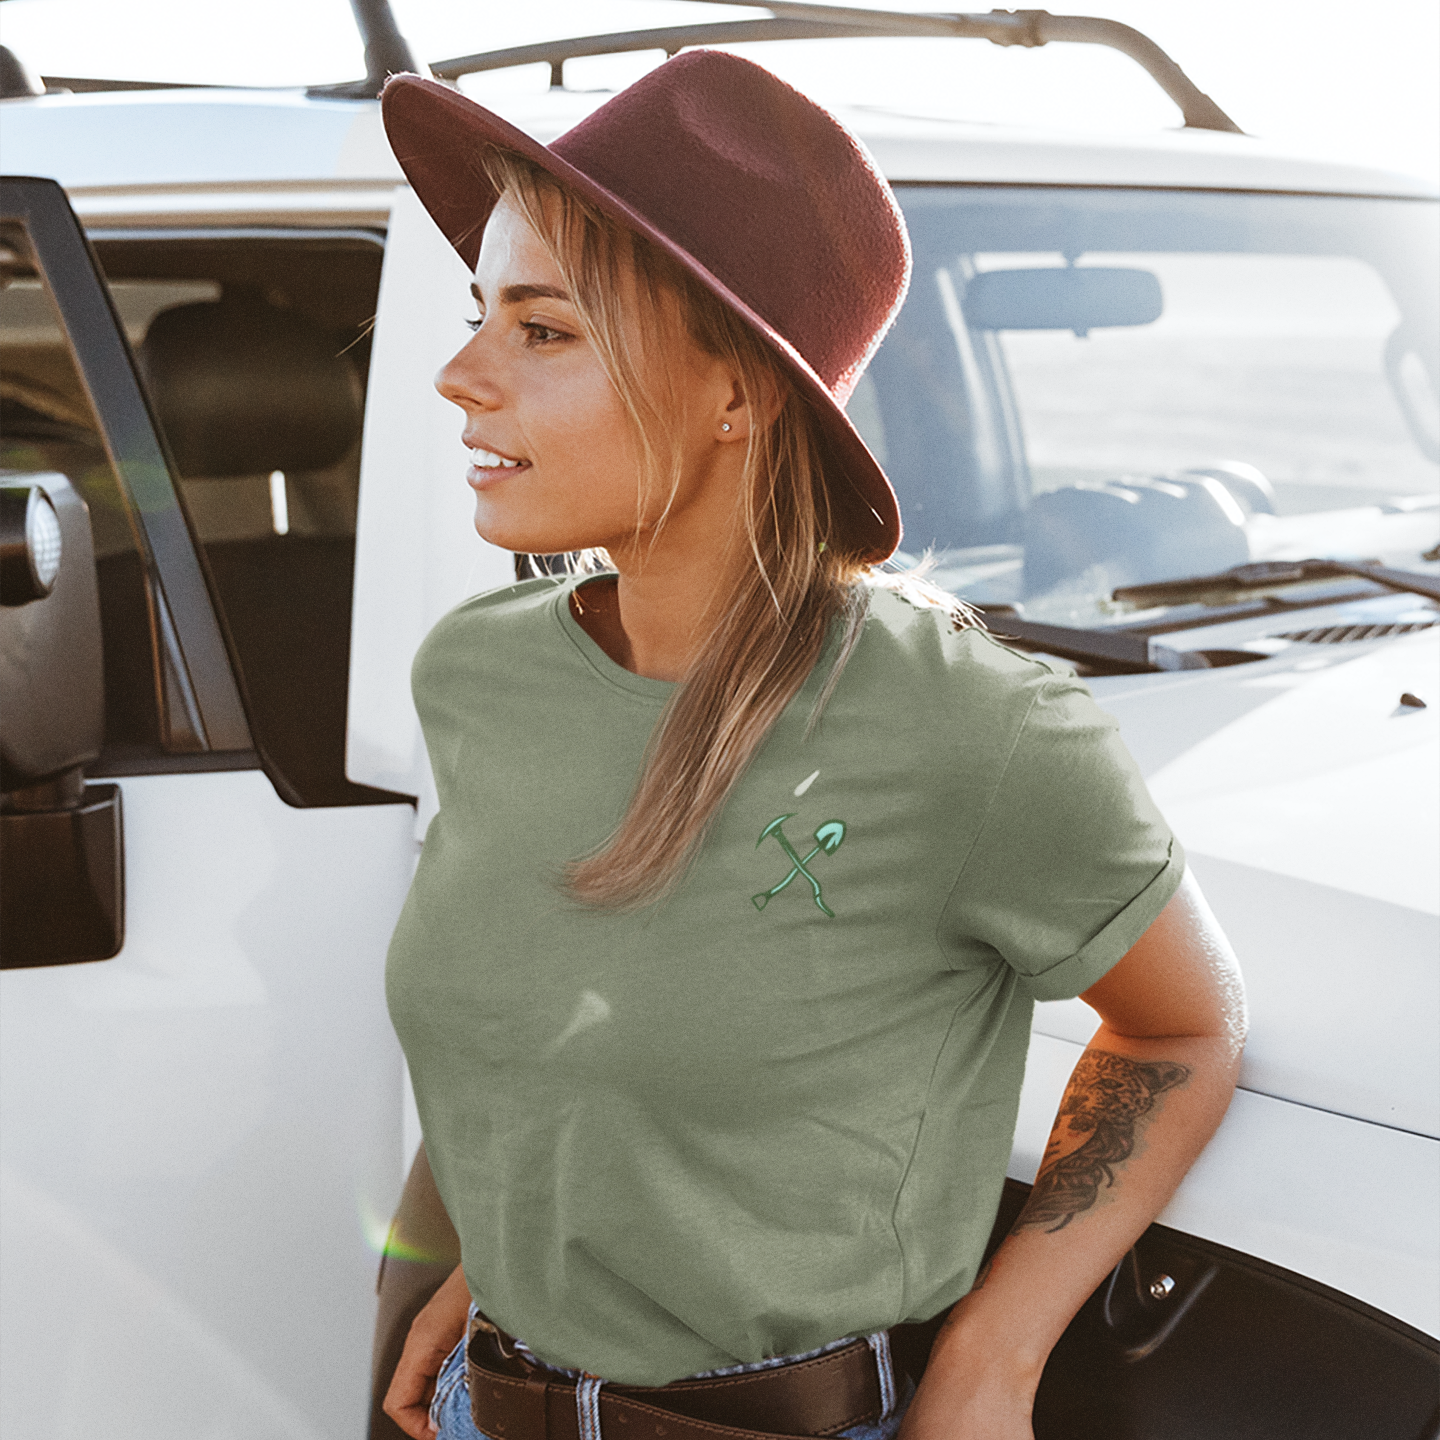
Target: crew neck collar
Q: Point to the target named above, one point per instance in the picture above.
(593, 655)
(606, 668)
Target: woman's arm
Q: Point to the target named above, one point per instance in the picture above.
(434, 1333)
(1145, 1096)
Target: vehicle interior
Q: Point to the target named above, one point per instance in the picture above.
(254, 350)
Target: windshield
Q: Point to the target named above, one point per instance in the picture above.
(1093, 388)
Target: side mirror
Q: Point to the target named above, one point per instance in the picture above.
(61, 852)
(1094, 298)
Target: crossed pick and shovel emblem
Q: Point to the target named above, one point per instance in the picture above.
(827, 840)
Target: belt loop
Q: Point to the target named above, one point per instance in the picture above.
(587, 1406)
(879, 1342)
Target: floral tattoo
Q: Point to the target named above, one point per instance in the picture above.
(1108, 1101)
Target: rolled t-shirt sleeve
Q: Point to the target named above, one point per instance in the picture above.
(1072, 860)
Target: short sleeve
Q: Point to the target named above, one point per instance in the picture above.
(1072, 860)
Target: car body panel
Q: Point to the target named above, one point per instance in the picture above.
(1330, 779)
(1308, 800)
(206, 1123)
(240, 137)
(416, 512)
(185, 137)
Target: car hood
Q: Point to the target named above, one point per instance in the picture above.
(1308, 801)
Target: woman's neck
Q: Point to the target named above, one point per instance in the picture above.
(654, 618)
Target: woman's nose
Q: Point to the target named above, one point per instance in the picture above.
(465, 380)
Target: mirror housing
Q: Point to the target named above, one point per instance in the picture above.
(1094, 298)
(61, 852)
(51, 668)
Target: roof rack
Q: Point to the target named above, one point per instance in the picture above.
(1029, 28)
(386, 50)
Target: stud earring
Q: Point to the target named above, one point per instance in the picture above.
(725, 425)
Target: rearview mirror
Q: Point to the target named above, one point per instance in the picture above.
(1068, 299)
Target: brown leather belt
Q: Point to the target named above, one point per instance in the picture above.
(512, 1399)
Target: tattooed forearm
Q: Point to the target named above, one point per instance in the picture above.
(1106, 1104)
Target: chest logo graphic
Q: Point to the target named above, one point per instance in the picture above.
(827, 841)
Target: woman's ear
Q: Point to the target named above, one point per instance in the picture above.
(762, 408)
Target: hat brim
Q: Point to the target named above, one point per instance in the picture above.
(437, 135)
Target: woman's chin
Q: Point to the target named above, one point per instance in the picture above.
(529, 534)
(524, 539)
(505, 531)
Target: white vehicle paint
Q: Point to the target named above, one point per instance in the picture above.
(203, 1138)
(204, 1124)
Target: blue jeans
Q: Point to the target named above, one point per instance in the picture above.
(450, 1409)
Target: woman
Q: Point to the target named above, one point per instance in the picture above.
(716, 976)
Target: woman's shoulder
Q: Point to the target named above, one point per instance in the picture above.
(934, 674)
(915, 629)
(508, 607)
(485, 628)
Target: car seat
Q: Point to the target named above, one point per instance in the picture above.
(243, 387)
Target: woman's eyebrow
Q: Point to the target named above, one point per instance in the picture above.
(518, 294)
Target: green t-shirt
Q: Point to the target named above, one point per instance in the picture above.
(760, 1115)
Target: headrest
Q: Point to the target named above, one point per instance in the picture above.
(242, 387)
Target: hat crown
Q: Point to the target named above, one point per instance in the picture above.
(767, 191)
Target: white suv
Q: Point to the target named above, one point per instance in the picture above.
(1164, 408)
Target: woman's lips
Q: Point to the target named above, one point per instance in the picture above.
(489, 466)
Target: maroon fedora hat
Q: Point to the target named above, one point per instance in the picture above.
(759, 193)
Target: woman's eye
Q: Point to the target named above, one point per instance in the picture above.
(535, 332)
(538, 334)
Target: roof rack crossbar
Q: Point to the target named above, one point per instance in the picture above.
(816, 22)
(670, 38)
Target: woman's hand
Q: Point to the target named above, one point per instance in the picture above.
(964, 1398)
(434, 1333)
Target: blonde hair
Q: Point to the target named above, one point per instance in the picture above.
(635, 304)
